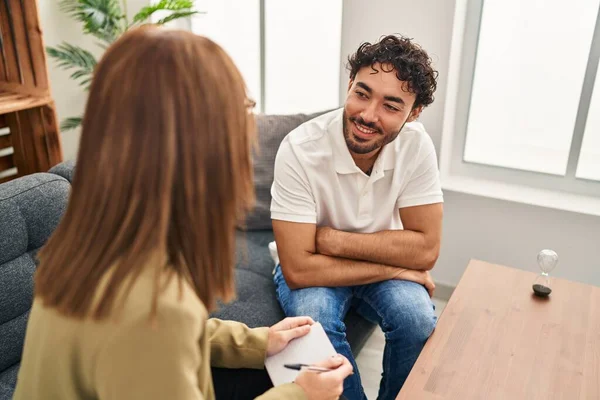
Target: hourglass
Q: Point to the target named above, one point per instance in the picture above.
(547, 260)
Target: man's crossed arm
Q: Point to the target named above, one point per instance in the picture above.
(415, 247)
(312, 256)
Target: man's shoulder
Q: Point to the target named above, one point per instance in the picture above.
(412, 145)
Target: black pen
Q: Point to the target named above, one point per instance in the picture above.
(306, 367)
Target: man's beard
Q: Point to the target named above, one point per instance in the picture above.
(358, 145)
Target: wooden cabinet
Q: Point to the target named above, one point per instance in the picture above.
(28, 122)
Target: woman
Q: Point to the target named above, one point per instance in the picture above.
(146, 244)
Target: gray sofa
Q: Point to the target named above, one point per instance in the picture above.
(31, 207)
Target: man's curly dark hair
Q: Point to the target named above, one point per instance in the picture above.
(398, 53)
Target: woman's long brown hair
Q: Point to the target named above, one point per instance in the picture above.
(164, 167)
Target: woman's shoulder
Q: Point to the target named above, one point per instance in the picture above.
(179, 294)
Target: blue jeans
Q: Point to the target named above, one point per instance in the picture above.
(402, 309)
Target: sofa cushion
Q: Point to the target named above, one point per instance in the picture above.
(271, 131)
(6, 392)
(8, 382)
(252, 252)
(17, 289)
(30, 209)
(12, 337)
(256, 304)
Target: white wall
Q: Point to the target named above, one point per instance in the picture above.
(475, 227)
(70, 99)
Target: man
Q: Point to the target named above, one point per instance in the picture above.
(357, 210)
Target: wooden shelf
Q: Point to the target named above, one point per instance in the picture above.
(11, 102)
(26, 106)
(5, 141)
(6, 162)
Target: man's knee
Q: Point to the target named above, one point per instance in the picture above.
(424, 321)
(412, 317)
(413, 326)
(322, 304)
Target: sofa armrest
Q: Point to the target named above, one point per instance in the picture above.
(65, 169)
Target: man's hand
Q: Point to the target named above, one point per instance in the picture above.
(420, 277)
(284, 331)
(325, 241)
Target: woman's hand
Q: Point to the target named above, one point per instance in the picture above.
(420, 277)
(285, 330)
(325, 385)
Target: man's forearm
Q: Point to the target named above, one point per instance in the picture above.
(322, 270)
(398, 248)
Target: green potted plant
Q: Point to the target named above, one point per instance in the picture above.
(106, 20)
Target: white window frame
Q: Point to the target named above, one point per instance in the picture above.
(560, 192)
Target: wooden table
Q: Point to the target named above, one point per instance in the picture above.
(495, 340)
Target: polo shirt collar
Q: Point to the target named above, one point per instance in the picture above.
(343, 161)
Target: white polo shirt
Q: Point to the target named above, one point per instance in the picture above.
(316, 180)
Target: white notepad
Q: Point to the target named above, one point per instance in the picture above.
(309, 349)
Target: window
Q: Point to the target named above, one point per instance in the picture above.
(235, 26)
(288, 53)
(589, 157)
(303, 46)
(527, 111)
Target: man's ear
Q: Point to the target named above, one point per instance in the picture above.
(414, 114)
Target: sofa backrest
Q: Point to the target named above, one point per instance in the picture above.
(30, 209)
(271, 130)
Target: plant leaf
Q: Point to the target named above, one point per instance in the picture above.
(69, 57)
(175, 15)
(163, 5)
(100, 18)
(73, 56)
(86, 83)
(68, 124)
